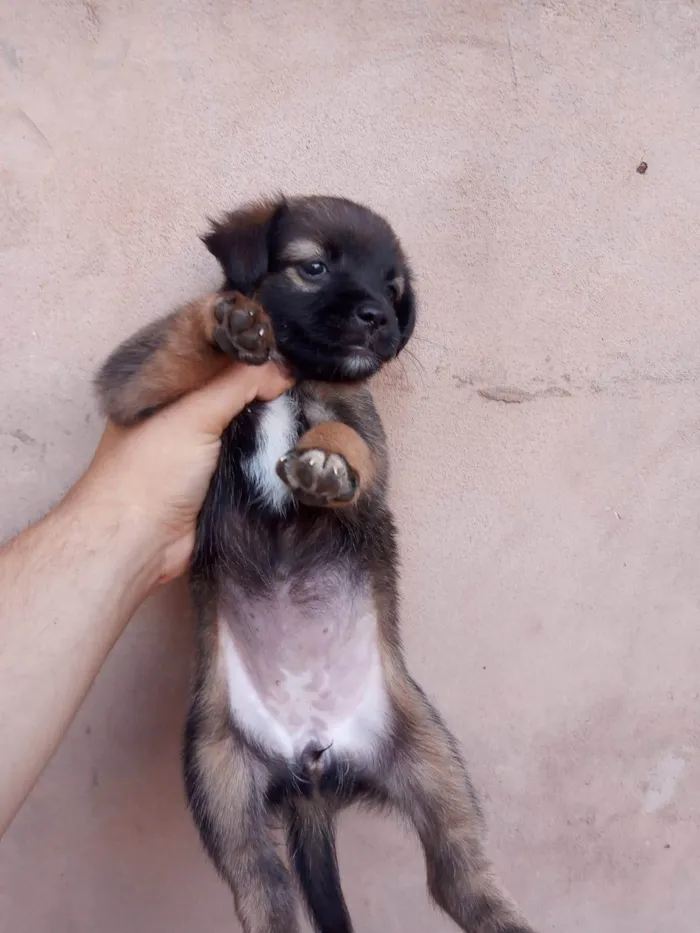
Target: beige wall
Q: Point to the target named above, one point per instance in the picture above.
(550, 539)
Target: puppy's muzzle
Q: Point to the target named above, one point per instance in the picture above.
(371, 316)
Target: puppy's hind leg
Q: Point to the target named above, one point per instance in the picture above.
(225, 788)
(429, 784)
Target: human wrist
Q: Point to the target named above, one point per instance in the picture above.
(117, 537)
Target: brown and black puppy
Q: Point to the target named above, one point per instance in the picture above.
(303, 703)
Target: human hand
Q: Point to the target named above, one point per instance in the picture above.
(151, 479)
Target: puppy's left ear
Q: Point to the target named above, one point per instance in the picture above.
(406, 311)
(241, 242)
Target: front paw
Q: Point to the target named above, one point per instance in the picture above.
(243, 330)
(317, 477)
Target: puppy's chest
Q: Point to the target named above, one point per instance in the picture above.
(301, 656)
(273, 433)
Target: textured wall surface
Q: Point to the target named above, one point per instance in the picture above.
(546, 437)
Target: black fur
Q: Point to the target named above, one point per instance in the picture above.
(315, 331)
(312, 851)
(243, 248)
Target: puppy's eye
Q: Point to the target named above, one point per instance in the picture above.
(392, 291)
(314, 270)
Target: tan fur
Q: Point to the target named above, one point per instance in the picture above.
(188, 359)
(233, 787)
(334, 437)
(400, 284)
(231, 794)
(302, 251)
(296, 280)
(184, 356)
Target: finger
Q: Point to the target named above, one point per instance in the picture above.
(212, 407)
(176, 558)
(110, 437)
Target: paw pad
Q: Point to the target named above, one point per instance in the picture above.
(243, 330)
(317, 477)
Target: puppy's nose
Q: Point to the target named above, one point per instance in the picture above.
(371, 315)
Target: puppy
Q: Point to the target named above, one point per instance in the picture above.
(302, 702)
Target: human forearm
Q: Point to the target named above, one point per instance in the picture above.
(68, 586)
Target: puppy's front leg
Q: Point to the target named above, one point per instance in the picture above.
(330, 466)
(182, 352)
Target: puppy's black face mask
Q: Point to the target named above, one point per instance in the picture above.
(332, 277)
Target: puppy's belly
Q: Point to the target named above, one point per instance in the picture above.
(303, 668)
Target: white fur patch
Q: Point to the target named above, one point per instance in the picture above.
(277, 433)
(359, 365)
(317, 412)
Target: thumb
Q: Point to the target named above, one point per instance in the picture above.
(211, 408)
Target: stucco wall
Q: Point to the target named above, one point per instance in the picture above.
(545, 439)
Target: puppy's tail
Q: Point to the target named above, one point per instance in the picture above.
(312, 851)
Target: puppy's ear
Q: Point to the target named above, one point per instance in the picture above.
(241, 242)
(406, 310)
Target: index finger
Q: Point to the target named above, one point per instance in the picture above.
(213, 406)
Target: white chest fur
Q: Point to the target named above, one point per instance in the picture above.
(303, 666)
(276, 435)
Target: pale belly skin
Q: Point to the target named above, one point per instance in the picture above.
(303, 667)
